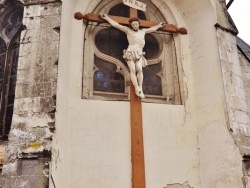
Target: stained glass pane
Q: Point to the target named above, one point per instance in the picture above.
(2, 46)
(8, 118)
(152, 82)
(10, 29)
(151, 47)
(106, 78)
(119, 10)
(15, 53)
(123, 10)
(12, 87)
(1, 87)
(11, 19)
(14, 24)
(112, 42)
(2, 63)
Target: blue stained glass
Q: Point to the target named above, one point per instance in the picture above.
(106, 78)
(105, 84)
(99, 75)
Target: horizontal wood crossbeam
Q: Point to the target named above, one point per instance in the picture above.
(124, 21)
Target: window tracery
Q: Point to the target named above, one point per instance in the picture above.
(104, 47)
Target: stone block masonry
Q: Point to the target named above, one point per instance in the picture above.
(28, 152)
(38, 2)
(236, 99)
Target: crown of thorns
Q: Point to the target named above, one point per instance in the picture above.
(133, 19)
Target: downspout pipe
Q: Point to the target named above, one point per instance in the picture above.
(229, 3)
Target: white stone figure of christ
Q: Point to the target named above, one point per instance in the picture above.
(134, 54)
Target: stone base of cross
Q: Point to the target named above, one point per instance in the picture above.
(137, 146)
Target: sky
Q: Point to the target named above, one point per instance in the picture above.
(240, 12)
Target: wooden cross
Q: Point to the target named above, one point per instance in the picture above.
(137, 148)
(124, 21)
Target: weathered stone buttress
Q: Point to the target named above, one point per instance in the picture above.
(28, 153)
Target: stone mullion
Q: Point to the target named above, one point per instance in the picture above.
(34, 108)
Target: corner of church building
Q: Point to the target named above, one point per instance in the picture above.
(68, 131)
(234, 59)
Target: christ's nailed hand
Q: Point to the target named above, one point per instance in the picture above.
(103, 16)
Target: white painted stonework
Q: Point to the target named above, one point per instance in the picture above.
(135, 4)
(187, 145)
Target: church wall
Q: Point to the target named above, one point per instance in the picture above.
(245, 68)
(73, 112)
(205, 106)
(59, 156)
(243, 138)
(98, 151)
(88, 123)
(189, 144)
(28, 153)
(236, 106)
(170, 156)
(92, 141)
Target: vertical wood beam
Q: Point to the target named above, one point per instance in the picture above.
(137, 146)
(133, 13)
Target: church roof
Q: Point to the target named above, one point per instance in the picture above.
(243, 47)
(241, 44)
(233, 25)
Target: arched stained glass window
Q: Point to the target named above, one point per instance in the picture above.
(106, 74)
(10, 28)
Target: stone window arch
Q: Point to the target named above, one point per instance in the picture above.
(105, 73)
(11, 13)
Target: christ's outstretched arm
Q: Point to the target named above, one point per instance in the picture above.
(154, 28)
(113, 23)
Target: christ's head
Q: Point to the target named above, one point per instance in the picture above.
(134, 23)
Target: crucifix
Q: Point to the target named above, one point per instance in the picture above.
(137, 148)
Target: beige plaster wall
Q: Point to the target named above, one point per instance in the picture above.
(170, 155)
(60, 139)
(187, 143)
(99, 145)
(218, 156)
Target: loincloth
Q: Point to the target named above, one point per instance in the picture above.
(135, 56)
